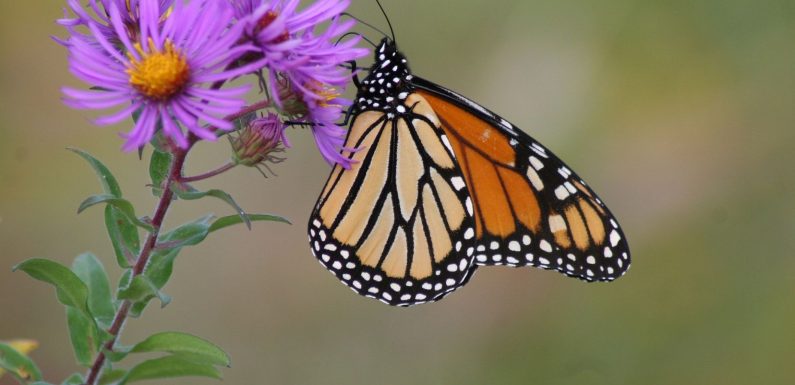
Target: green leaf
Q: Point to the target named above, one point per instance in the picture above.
(160, 266)
(123, 235)
(159, 165)
(168, 367)
(20, 366)
(141, 289)
(90, 270)
(40, 383)
(125, 208)
(124, 280)
(188, 234)
(188, 193)
(161, 263)
(83, 335)
(71, 291)
(112, 376)
(186, 345)
(230, 220)
(74, 379)
(118, 353)
(109, 183)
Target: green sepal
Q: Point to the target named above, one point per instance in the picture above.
(74, 379)
(123, 235)
(125, 208)
(90, 270)
(109, 184)
(70, 290)
(169, 367)
(186, 192)
(159, 165)
(83, 334)
(185, 345)
(112, 376)
(18, 365)
(231, 220)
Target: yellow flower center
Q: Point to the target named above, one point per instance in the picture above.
(158, 75)
(327, 93)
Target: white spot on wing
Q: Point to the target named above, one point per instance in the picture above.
(614, 238)
(561, 192)
(447, 144)
(535, 180)
(458, 182)
(537, 164)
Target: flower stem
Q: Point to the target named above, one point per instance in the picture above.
(226, 167)
(175, 172)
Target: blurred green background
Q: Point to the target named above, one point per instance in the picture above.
(680, 113)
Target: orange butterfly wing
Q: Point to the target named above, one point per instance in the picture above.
(530, 208)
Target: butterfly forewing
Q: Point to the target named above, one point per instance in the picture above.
(530, 208)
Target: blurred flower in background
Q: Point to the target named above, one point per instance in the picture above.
(129, 12)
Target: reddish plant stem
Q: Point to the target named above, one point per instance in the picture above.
(174, 174)
(166, 198)
(226, 167)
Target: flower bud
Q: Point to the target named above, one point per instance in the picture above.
(259, 140)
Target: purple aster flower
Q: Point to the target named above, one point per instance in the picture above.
(164, 74)
(129, 10)
(305, 77)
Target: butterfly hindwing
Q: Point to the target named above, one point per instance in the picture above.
(392, 226)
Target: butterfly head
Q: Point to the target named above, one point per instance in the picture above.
(389, 79)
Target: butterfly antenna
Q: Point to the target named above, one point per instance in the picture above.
(387, 19)
(365, 23)
(356, 34)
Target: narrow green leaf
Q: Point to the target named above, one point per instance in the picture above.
(90, 270)
(83, 335)
(188, 234)
(161, 263)
(123, 235)
(71, 291)
(20, 366)
(109, 183)
(40, 383)
(169, 367)
(112, 376)
(124, 280)
(125, 208)
(231, 220)
(159, 165)
(188, 193)
(118, 353)
(74, 379)
(141, 289)
(188, 346)
(160, 266)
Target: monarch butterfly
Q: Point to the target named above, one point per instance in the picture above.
(441, 186)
